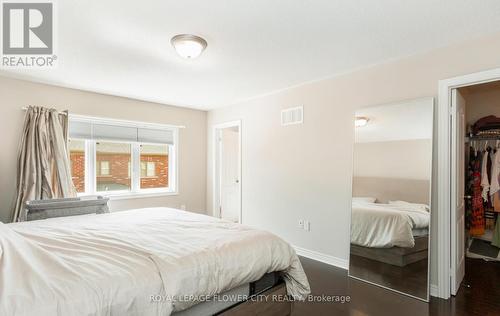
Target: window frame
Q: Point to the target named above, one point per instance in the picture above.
(135, 184)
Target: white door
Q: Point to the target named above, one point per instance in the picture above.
(458, 189)
(229, 174)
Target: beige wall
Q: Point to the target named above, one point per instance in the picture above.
(393, 170)
(304, 171)
(390, 189)
(404, 159)
(481, 102)
(15, 94)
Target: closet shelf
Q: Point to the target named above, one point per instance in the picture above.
(469, 138)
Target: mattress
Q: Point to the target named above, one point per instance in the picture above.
(115, 263)
(377, 225)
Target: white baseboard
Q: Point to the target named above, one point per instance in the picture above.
(318, 256)
(434, 290)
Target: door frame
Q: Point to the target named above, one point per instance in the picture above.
(216, 183)
(445, 228)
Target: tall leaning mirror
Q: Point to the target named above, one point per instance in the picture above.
(391, 196)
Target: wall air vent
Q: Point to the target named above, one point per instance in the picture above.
(292, 116)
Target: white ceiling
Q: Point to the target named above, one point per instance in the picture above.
(408, 120)
(254, 47)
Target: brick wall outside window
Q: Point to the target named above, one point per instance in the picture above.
(161, 172)
(118, 168)
(78, 170)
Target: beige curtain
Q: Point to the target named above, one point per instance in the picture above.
(43, 167)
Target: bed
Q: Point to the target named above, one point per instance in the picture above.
(395, 233)
(154, 261)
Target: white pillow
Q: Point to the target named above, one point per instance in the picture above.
(365, 199)
(418, 206)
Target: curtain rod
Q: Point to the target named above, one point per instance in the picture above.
(25, 108)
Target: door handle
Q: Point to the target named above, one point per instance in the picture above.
(467, 197)
(237, 181)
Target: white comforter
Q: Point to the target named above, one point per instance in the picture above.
(111, 264)
(386, 225)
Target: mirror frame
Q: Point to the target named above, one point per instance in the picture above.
(432, 104)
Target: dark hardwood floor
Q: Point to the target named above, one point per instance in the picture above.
(480, 290)
(481, 298)
(411, 279)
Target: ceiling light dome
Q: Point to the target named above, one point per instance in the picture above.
(188, 46)
(361, 121)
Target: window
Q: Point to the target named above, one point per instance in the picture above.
(121, 158)
(103, 169)
(148, 169)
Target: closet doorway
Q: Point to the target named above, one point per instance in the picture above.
(472, 194)
(479, 185)
(227, 169)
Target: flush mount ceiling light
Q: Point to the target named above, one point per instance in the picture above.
(360, 121)
(188, 46)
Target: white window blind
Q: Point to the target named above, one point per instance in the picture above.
(110, 132)
(146, 135)
(87, 129)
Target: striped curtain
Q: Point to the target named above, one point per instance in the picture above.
(43, 167)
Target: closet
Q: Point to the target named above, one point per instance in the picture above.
(482, 189)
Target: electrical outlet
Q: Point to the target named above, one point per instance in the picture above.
(301, 224)
(307, 226)
(183, 207)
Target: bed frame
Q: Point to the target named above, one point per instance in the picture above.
(396, 256)
(272, 302)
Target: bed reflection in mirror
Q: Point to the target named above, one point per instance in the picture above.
(391, 194)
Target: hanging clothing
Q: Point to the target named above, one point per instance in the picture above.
(496, 202)
(469, 185)
(495, 171)
(477, 221)
(489, 219)
(485, 181)
(489, 204)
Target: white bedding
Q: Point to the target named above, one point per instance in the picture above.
(386, 225)
(111, 264)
